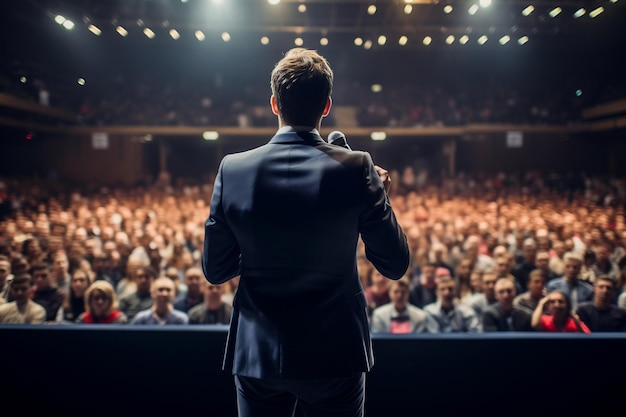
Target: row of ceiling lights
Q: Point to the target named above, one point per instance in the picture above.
(298, 41)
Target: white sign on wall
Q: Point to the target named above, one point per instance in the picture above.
(514, 139)
(100, 140)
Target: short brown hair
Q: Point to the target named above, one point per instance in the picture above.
(302, 83)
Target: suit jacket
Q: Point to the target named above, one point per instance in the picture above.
(495, 320)
(286, 217)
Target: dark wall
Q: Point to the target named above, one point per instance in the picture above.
(151, 371)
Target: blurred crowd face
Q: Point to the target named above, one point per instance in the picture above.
(536, 285)
(572, 268)
(489, 285)
(20, 293)
(163, 291)
(99, 303)
(557, 305)
(79, 283)
(505, 292)
(5, 270)
(399, 296)
(193, 278)
(213, 293)
(604, 293)
(43, 280)
(446, 292)
(142, 280)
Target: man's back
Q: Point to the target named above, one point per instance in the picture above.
(294, 209)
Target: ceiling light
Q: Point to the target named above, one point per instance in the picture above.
(298, 41)
(378, 136)
(555, 12)
(302, 8)
(473, 9)
(358, 41)
(371, 9)
(273, 2)
(427, 40)
(528, 10)
(504, 40)
(376, 88)
(485, 3)
(367, 44)
(59, 19)
(69, 25)
(592, 13)
(225, 36)
(200, 35)
(482, 40)
(174, 34)
(448, 9)
(210, 135)
(382, 39)
(265, 40)
(324, 41)
(121, 31)
(95, 30)
(463, 39)
(450, 39)
(403, 40)
(522, 40)
(149, 33)
(408, 9)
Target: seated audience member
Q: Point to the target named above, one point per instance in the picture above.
(603, 264)
(103, 270)
(181, 289)
(377, 294)
(557, 264)
(60, 270)
(542, 260)
(398, 316)
(140, 299)
(439, 254)
(479, 302)
(193, 295)
(504, 316)
(577, 290)
(22, 310)
(448, 315)
(560, 318)
(162, 311)
(5, 278)
(536, 291)
(213, 310)
(47, 294)
(601, 315)
(463, 278)
(101, 305)
(425, 288)
(522, 269)
(74, 302)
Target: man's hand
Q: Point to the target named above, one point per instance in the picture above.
(384, 176)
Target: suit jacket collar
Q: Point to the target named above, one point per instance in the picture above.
(291, 135)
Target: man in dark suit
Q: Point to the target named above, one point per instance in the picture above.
(286, 217)
(504, 316)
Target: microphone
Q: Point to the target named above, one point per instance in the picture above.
(338, 138)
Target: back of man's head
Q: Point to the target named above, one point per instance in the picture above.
(302, 83)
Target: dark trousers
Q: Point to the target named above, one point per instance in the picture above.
(339, 397)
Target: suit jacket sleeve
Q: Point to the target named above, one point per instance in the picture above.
(221, 255)
(490, 321)
(385, 243)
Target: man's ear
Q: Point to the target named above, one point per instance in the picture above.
(274, 105)
(329, 104)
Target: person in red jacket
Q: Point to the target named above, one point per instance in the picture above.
(560, 317)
